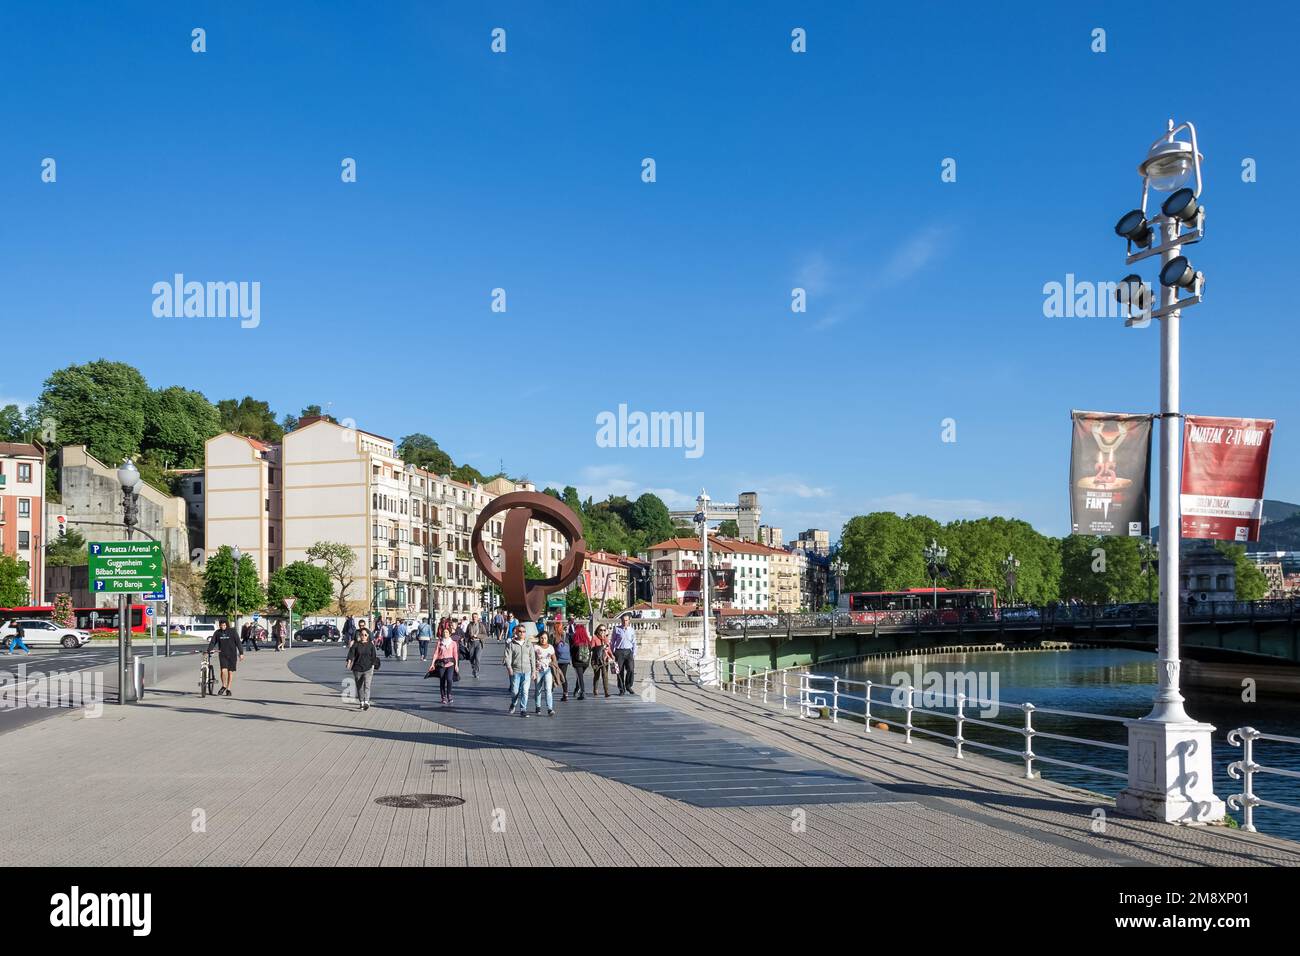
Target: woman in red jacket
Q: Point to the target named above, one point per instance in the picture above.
(580, 653)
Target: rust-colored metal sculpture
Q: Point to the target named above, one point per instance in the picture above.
(527, 599)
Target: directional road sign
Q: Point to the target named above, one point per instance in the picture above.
(125, 567)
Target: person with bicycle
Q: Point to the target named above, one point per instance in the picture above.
(229, 653)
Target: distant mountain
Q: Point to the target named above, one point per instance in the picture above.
(1279, 532)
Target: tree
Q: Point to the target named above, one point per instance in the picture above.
(307, 582)
(576, 603)
(532, 572)
(571, 499)
(338, 561)
(13, 581)
(290, 422)
(100, 405)
(13, 425)
(883, 551)
(219, 591)
(1252, 583)
(177, 424)
(67, 551)
(249, 417)
(1100, 570)
(729, 528)
(63, 613)
(612, 607)
(422, 451)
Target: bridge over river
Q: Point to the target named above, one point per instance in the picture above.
(1225, 632)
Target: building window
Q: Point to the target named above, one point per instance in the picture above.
(196, 488)
(268, 505)
(24, 540)
(271, 475)
(270, 539)
(24, 472)
(24, 507)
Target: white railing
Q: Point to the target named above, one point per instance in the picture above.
(1245, 770)
(813, 695)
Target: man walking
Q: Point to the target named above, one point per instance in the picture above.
(349, 631)
(425, 635)
(472, 643)
(229, 653)
(384, 637)
(399, 639)
(519, 668)
(624, 646)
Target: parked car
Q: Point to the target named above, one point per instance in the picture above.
(318, 632)
(44, 633)
(202, 630)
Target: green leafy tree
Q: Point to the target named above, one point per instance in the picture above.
(178, 422)
(532, 572)
(1252, 583)
(101, 405)
(612, 607)
(309, 583)
(249, 417)
(1102, 570)
(576, 603)
(339, 562)
(13, 581)
(64, 616)
(883, 551)
(219, 590)
(729, 528)
(13, 424)
(571, 499)
(422, 451)
(67, 551)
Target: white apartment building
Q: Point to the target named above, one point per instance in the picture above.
(411, 529)
(750, 562)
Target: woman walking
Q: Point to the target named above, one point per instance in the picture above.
(446, 665)
(600, 661)
(563, 657)
(581, 654)
(543, 658)
(363, 662)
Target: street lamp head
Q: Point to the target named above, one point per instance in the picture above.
(236, 554)
(1178, 273)
(128, 476)
(1181, 205)
(1169, 165)
(1134, 227)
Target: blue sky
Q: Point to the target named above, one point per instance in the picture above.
(774, 170)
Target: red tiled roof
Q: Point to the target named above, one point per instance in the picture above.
(21, 449)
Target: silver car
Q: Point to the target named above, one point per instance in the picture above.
(39, 633)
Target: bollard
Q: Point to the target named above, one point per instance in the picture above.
(1029, 742)
(866, 704)
(961, 721)
(909, 713)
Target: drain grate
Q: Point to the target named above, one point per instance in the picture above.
(420, 801)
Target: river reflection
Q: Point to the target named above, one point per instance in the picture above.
(1116, 682)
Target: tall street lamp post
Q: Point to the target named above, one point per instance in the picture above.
(128, 476)
(936, 559)
(1170, 767)
(1009, 566)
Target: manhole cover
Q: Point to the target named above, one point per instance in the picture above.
(420, 801)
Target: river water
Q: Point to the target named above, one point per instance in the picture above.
(1115, 682)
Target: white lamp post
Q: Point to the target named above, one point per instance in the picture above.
(128, 476)
(1170, 765)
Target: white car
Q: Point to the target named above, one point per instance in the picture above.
(36, 633)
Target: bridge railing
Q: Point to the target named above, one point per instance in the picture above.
(1102, 615)
(817, 695)
(1245, 770)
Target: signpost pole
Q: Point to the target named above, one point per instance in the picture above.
(153, 639)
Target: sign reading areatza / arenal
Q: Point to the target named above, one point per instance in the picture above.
(125, 567)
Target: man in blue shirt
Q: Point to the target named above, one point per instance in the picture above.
(624, 647)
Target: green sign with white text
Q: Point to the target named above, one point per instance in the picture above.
(125, 567)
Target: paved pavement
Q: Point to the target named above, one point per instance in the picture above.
(288, 772)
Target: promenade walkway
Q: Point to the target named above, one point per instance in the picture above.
(287, 772)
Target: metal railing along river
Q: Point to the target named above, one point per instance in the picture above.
(825, 696)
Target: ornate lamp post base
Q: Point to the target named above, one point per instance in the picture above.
(1170, 773)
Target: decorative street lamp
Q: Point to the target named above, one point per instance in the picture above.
(1170, 768)
(128, 476)
(1009, 566)
(936, 560)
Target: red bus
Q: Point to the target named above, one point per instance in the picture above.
(892, 607)
(87, 618)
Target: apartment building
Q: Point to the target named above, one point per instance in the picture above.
(242, 502)
(608, 577)
(676, 567)
(22, 511)
(814, 540)
(786, 570)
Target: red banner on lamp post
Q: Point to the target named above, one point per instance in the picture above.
(1224, 462)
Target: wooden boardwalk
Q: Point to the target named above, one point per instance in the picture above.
(287, 772)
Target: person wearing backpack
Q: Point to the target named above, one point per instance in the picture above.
(580, 651)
